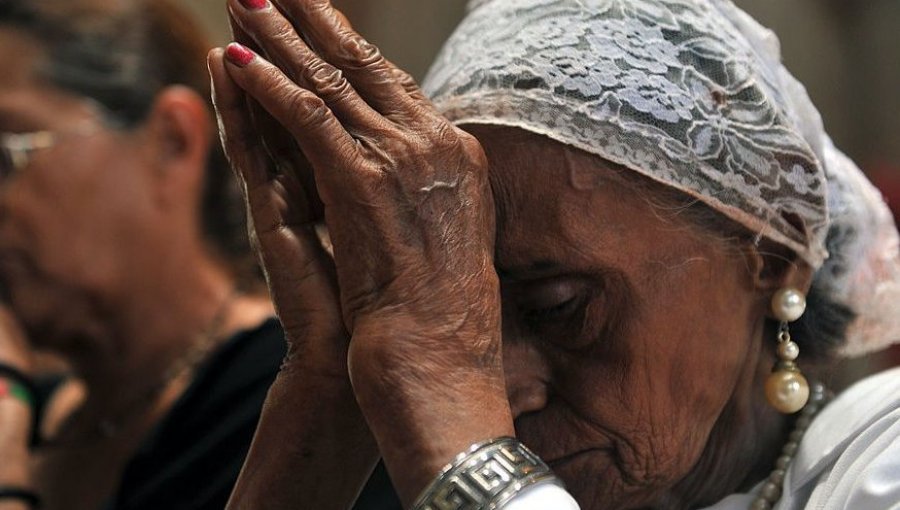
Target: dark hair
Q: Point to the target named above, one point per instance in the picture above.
(122, 55)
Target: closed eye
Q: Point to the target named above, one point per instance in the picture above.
(551, 299)
(551, 312)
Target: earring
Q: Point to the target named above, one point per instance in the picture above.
(786, 388)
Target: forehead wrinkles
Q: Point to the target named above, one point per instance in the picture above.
(526, 167)
(541, 212)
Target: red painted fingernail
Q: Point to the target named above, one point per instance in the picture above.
(239, 54)
(255, 4)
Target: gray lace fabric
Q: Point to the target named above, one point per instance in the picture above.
(692, 94)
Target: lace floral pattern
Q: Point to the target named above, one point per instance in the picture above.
(690, 93)
(668, 88)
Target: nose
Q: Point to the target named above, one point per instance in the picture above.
(527, 377)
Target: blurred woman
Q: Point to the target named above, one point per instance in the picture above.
(123, 249)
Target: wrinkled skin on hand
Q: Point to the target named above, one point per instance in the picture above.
(311, 421)
(282, 229)
(408, 206)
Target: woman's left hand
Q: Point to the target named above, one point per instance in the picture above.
(410, 213)
(311, 422)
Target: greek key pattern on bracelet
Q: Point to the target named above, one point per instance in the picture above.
(485, 477)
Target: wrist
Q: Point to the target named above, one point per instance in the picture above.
(400, 345)
(15, 430)
(421, 426)
(14, 469)
(328, 369)
(429, 391)
(488, 474)
(16, 498)
(15, 423)
(19, 406)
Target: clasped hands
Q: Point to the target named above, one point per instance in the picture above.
(321, 128)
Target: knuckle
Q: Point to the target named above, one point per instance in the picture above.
(314, 6)
(406, 81)
(307, 110)
(463, 143)
(358, 51)
(327, 80)
(448, 136)
(403, 77)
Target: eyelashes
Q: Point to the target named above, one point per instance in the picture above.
(568, 312)
(554, 308)
(552, 312)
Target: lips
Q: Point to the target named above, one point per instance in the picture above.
(562, 460)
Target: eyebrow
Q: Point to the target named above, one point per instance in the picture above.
(11, 116)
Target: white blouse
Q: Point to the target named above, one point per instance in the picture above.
(849, 458)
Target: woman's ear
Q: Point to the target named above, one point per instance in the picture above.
(179, 128)
(773, 267)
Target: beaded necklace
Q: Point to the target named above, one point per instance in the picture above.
(771, 489)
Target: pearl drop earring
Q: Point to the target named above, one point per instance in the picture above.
(786, 388)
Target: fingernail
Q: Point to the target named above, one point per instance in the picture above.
(239, 54)
(255, 4)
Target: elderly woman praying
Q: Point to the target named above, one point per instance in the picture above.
(602, 259)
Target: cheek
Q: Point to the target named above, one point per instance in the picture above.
(687, 352)
(656, 394)
(67, 222)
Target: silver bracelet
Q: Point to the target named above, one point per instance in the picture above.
(485, 477)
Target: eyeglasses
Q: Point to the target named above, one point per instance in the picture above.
(16, 148)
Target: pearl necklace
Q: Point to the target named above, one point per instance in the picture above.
(770, 492)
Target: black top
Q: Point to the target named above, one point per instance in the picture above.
(192, 458)
(379, 493)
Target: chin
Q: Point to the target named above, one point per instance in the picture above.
(597, 483)
(593, 479)
(49, 320)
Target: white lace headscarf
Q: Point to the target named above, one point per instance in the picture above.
(692, 94)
